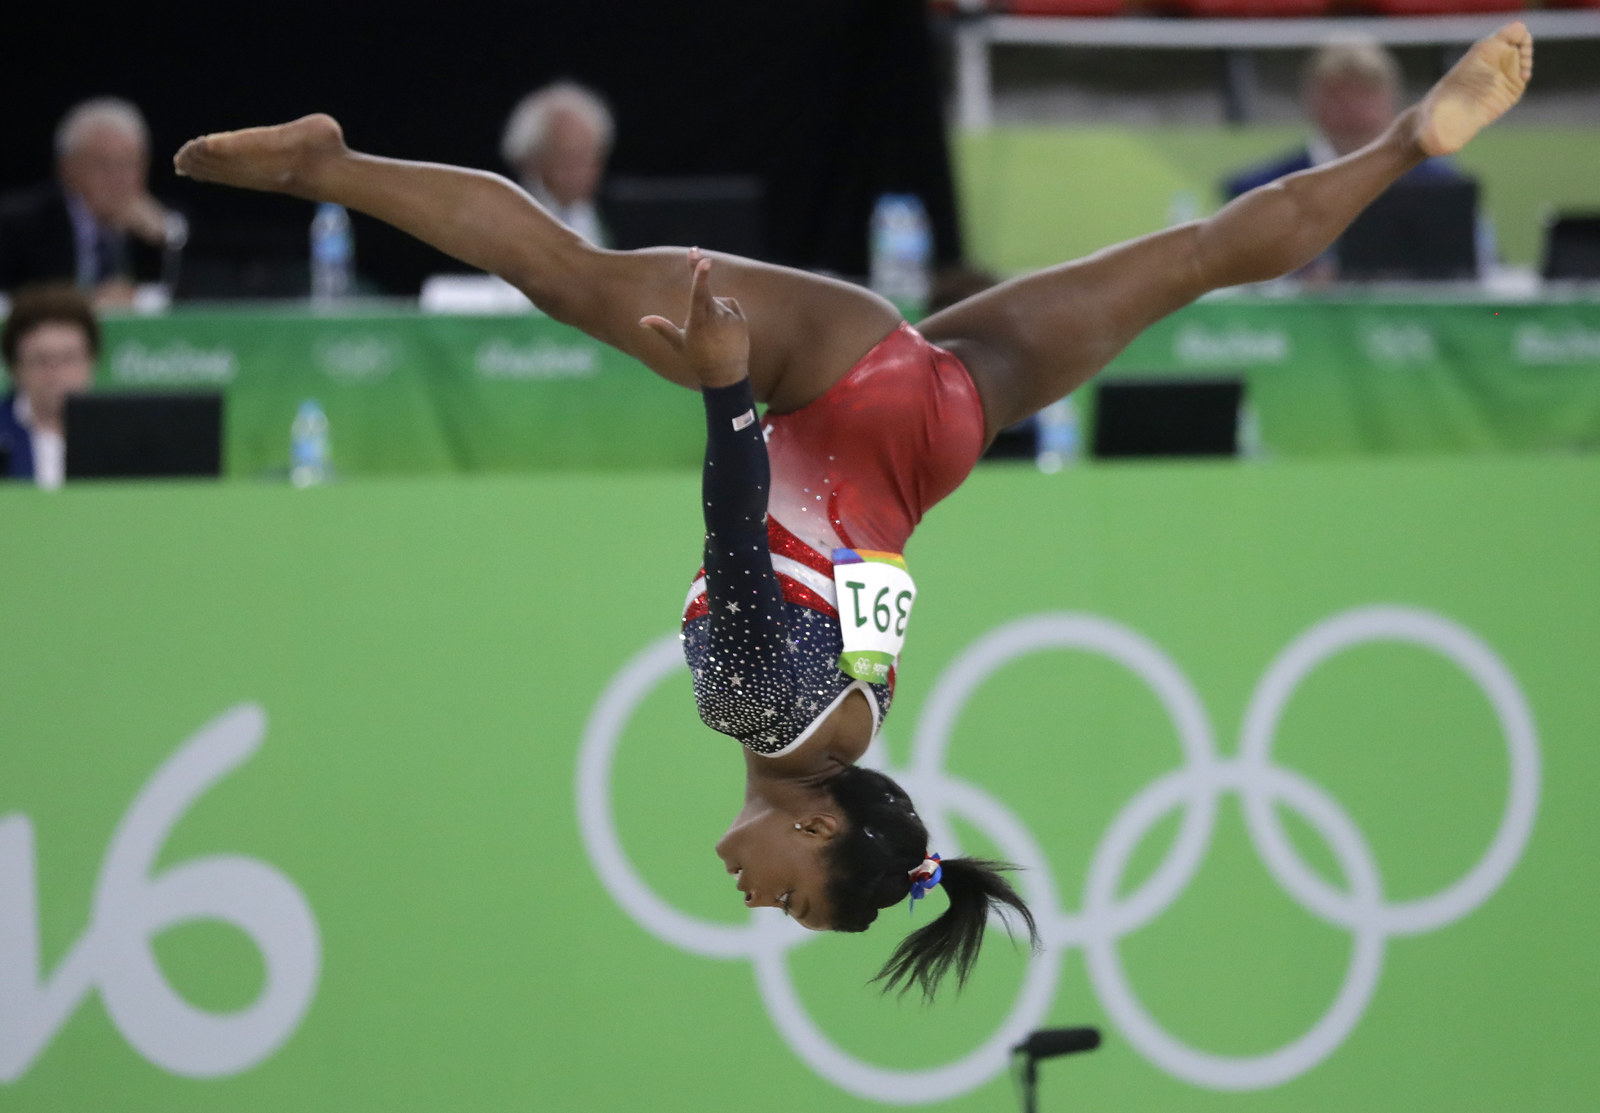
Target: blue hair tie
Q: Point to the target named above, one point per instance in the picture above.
(925, 877)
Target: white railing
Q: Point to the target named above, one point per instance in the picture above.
(976, 34)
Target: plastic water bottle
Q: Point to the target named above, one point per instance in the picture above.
(309, 462)
(1183, 208)
(902, 252)
(1057, 440)
(332, 253)
(1248, 433)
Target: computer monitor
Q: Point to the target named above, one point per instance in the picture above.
(240, 259)
(1167, 417)
(719, 213)
(1422, 232)
(1572, 246)
(144, 435)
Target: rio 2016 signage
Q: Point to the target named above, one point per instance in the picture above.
(131, 906)
(1195, 788)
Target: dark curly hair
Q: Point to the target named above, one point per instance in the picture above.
(869, 867)
(55, 303)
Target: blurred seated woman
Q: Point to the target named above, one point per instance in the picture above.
(50, 343)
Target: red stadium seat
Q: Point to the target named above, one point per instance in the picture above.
(1438, 7)
(1248, 9)
(1064, 7)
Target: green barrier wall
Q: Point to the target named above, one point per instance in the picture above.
(1301, 758)
(410, 393)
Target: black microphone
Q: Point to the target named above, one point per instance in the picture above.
(1047, 1043)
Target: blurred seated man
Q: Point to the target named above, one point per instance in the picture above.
(96, 225)
(50, 344)
(1351, 91)
(556, 142)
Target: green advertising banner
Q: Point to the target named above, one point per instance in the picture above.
(1383, 374)
(392, 797)
(410, 393)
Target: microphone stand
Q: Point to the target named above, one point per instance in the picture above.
(1046, 1043)
(1030, 1085)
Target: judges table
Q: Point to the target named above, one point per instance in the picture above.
(407, 392)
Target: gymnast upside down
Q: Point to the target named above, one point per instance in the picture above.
(868, 424)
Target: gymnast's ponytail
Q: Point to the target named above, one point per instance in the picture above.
(870, 866)
(974, 886)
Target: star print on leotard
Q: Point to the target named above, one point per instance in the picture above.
(764, 668)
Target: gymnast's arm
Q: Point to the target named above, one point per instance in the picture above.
(750, 678)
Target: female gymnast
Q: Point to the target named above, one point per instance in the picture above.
(868, 424)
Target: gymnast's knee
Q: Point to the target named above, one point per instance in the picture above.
(564, 280)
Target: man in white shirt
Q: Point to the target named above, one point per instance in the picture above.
(557, 141)
(50, 344)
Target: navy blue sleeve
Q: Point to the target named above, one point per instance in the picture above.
(748, 678)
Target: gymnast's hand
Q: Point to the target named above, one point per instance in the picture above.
(716, 340)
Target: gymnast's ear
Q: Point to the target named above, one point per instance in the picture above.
(820, 825)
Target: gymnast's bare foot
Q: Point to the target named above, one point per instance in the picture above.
(1477, 91)
(280, 159)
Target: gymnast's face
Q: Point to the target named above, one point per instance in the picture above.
(776, 865)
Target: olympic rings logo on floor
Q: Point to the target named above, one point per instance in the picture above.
(1196, 786)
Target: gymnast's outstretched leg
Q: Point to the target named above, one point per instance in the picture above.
(805, 331)
(1037, 338)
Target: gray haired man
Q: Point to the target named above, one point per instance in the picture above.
(96, 225)
(557, 141)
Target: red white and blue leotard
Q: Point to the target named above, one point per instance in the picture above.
(857, 468)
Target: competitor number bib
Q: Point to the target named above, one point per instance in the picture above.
(875, 596)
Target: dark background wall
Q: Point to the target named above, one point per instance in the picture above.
(830, 102)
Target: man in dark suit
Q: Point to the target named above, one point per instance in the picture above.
(1352, 91)
(96, 225)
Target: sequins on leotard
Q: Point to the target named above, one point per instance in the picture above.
(764, 668)
(770, 704)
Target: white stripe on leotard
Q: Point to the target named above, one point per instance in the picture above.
(788, 566)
